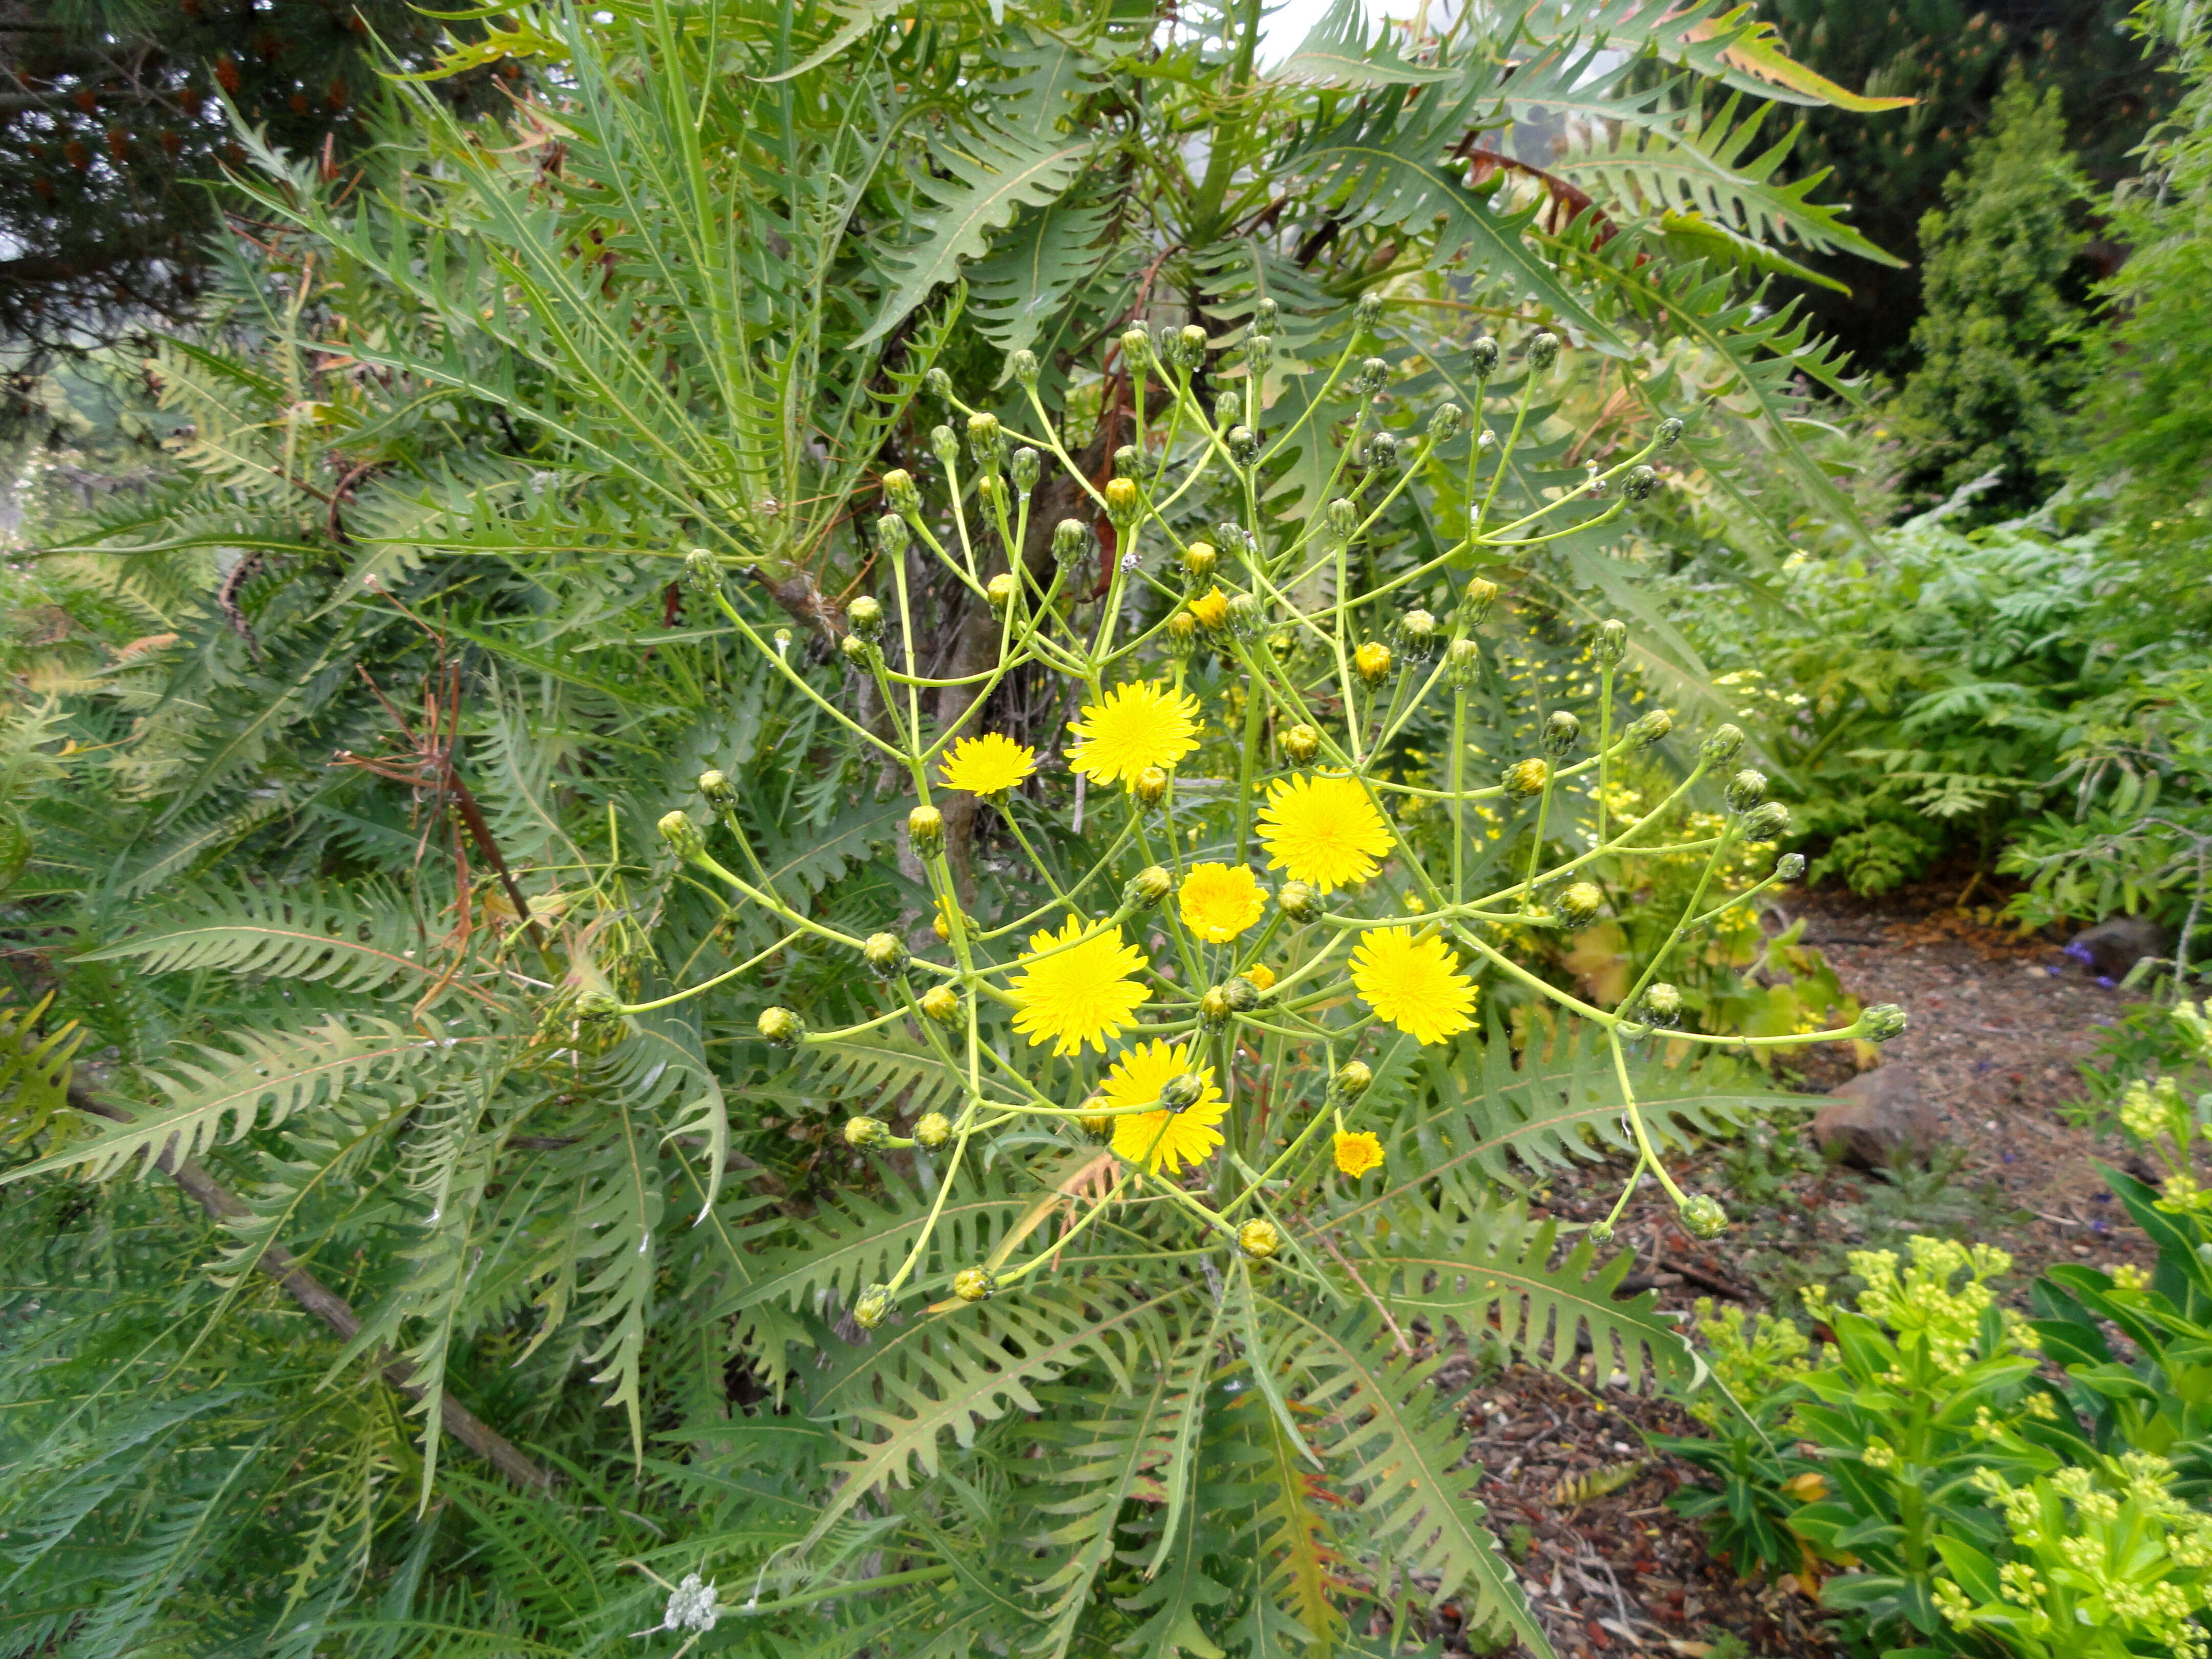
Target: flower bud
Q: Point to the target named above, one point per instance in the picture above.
(1579, 903)
(1601, 1232)
(1525, 778)
(1371, 376)
(1769, 822)
(1071, 540)
(1182, 1092)
(1146, 888)
(864, 1132)
(1745, 790)
(1475, 600)
(1122, 504)
(1258, 1240)
(899, 493)
(1265, 314)
(1543, 351)
(1703, 1216)
(1382, 452)
(1299, 901)
(1369, 311)
(1446, 423)
(1244, 995)
(999, 590)
(701, 573)
(1150, 786)
(860, 653)
(1669, 432)
(1372, 662)
(780, 1027)
(892, 536)
(1241, 615)
(1663, 1003)
(866, 614)
(941, 1003)
(1417, 632)
(933, 1130)
(1351, 1081)
(782, 638)
(1243, 445)
(1023, 366)
(1648, 727)
(1612, 642)
(598, 1007)
(1462, 663)
(924, 829)
(1881, 1023)
(1234, 536)
(974, 1284)
(1214, 1007)
(1300, 745)
(718, 789)
(1562, 732)
(1259, 352)
(872, 1307)
(1198, 561)
(940, 384)
(1639, 483)
(1182, 634)
(1128, 462)
(945, 446)
(1343, 519)
(1791, 866)
(1194, 345)
(987, 443)
(1027, 466)
(1482, 357)
(1722, 747)
(884, 953)
(1136, 349)
(681, 834)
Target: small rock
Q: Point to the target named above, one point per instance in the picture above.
(1869, 1120)
(2111, 948)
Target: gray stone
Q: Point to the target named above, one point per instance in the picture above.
(2111, 948)
(1877, 1116)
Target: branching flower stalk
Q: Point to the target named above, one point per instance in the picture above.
(1133, 1019)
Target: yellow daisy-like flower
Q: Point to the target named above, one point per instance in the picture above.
(1132, 727)
(989, 765)
(1260, 975)
(1323, 831)
(1358, 1152)
(1163, 1140)
(1414, 983)
(1076, 988)
(1213, 610)
(1220, 901)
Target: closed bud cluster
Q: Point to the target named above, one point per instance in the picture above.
(1639, 483)
(872, 1307)
(1371, 376)
(1372, 662)
(1703, 1216)
(1669, 432)
(1769, 821)
(999, 590)
(1199, 562)
(1881, 1023)
(1462, 663)
(1024, 367)
(1648, 727)
(1722, 747)
(1579, 903)
(1027, 467)
(1182, 1092)
(1524, 779)
(1243, 445)
(1445, 424)
(1482, 357)
(1151, 787)
(1791, 866)
(864, 1132)
(941, 1003)
(1123, 503)
(1300, 745)
(899, 493)
(1612, 642)
(1562, 732)
(933, 1130)
(1382, 452)
(924, 829)
(1214, 1007)
(1418, 632)
(987, 441)
(884, 953)
(1475, 600)
(1745, 790)
(1258, 1240)
(780, 1027)
(1259, 352)
(1543, 351)
(1297, 901)
(1146, 888)
(701, 573)
(681, 834)
(1071, 540)
(974, 1284)
(1663, 1003)
(718, 789)
(1351, 1081)
(944, 444)
(892, 535)
(866, 614)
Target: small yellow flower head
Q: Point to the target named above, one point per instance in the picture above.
(1358, 1152)
(989, 765)
(999, 590)
(1258, 1240)
(925, 828)
(941, 1003)
(974, 1284)
(1579, 904)
(718, 789)
(933, 1128)
(1414, 983)
(1182, 634)
(1323, 831)
(1212, 609)
(1199, 560)
(1148, 888)
(899, 493)
(1074, 990)
(1299, 902)
(872, 1306)
(884, 953)
(1300, 745)
(1151, 787)
(1526, 778)
(864, 1132)
(1132, 727)
(1220, 901)
(1121, 502)
(1214, 1007)
(781, 1027)
(1261, 975)
(1372, 662)
(1353, 1079)
(1096, 1121)
(681, 834)
(1165, 1138)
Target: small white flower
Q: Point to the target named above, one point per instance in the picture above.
(1128, 563)
(691, 1605)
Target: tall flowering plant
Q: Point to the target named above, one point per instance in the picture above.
(1191, 1056)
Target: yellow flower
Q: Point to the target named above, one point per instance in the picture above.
(1076, 988)
(1220, 901)
(1163, 1139)
(1372, 661)
(1415, 984)
(1358, 1152)
(989, 765)
(1260, 975)
(1132, 727)
(1212, 610)
(1323, 831)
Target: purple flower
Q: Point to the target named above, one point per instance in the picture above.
(2081, 954)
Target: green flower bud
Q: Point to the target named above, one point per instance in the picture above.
(999, 590)
(1214, 1008)
(782, 638)
(941, 1003)
(1382, 452)
(1446, 423)
(987, 441)
(1745, 790)
(1562, 732)
(1881, 1023)
(1234, 536)
(1722, 747)
(1482, 357)
(1663, 1003)
(1475, 600)
(1199, 560)
(872, 1307)
(1371, 376)
(862, 654)
(924, 829)
(1128, 462)
(1182, 634)
(1369, 311)
(1123, 502)
(1612, 642)
(1023, 366)
(1299, 901)
(1417, 634)
(1258, 1240)
(899, 493)
(718, 789)
(1300, 745)
(1146, 888)
(1244, 995)
(1525, 778)
(1243, 445)
(1265, 314)
(1183, 1091)
(1259, 352)
(1071, 540)
(1462, 663)
(1769, 822)
(1243, 616)
(866, 614)
(864, 1132)
(1194, 345)
(944, 444)
(1151, 787)
(681, 834)
(1648, 727)
(884, 953)
(1639, 483)
(1579, 903)
(940, 384)
(701, 573)
(1669, 432)
(1372, 662)
(1343, 519)
(1351, 1081)
(780, 1028)
(1027, 467)
(1791, 866)
(1136, 349)
(892, 536)
(598, 1007)
(1601, 1232)
(1703, 1216)
(974, 1284)
(933, 1130)
(1543, 351)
